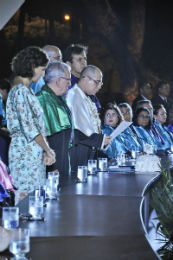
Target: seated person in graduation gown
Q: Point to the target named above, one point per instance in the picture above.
(130, 133)
(153, 129)
(142, 121)
(87, 124)
(160, 116)
(112, 118)
(144, 90)
(75, 56)
(54, 54)
(170, 126)
(57, 115)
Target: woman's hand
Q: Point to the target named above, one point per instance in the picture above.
(107, 140)
(49, 157)
(142, 153)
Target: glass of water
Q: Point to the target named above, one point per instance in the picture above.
(102, 163)
(51, 187)
(172, 148)
(119, 158)
(36, 206)
(154, 149)
(40, 191)
(19, 243)
(92, 166)
(82, 173)
(10, 217)
(55, 177)
(134, 153)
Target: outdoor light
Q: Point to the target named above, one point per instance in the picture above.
(67, 17)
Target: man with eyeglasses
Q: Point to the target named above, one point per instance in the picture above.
(54, 54)
(87, 124)
(162, 97)
(57, 115)
(75, 56)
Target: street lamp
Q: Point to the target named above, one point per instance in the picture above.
(67, 17)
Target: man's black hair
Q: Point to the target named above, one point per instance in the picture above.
(73, 49)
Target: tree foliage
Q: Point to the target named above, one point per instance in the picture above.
(125, 41)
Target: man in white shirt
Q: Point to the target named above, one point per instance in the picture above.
(87, 124)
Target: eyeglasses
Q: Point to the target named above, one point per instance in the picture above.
(69, 80)
(96, 81)
(144, 117)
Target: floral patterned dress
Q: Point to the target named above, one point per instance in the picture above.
(25, 121)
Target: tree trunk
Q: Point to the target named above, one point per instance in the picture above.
(21, 26)
(125, 46)
(51, 24)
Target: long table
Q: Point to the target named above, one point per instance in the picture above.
(95, 220)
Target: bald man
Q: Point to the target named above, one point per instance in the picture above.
(87, 124)
(54, 53)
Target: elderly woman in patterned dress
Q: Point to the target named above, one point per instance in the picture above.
(29, 151)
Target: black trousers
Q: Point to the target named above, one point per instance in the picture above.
(4, 146)
(81, 150)
(59, 142)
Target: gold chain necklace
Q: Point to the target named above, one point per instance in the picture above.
(94, 112)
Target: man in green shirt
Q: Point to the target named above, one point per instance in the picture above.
(57, 115)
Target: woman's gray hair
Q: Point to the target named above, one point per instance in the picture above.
(55, 69)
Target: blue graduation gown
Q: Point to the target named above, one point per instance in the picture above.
(129, 132)
(36, 87)
(148, 138)
(165, 133)
(120, 143)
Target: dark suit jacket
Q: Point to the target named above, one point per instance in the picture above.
(158, 100)
(135, 101)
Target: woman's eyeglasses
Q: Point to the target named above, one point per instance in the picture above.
(144, 117)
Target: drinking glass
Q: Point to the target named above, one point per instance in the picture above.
(36, 206)
(82, 173)
(19, 243)
(172, 148)
(51, 187)
(40, 191)
(123, 159)
(134, 153)
(10, 217)
(102, 163)
(55, 176)
(119, 158)
(127, 157)
(154, 149)
(92, 166)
